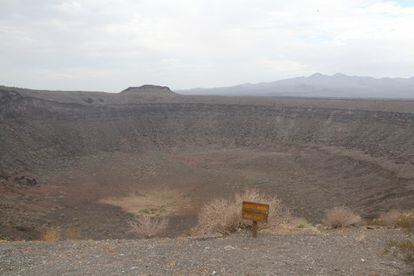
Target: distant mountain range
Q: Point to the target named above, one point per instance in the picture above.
(319, 85)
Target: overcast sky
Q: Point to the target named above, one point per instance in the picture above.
(109, 45)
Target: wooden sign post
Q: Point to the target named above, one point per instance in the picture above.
(257, 212)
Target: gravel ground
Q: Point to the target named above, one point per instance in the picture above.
(351, 252)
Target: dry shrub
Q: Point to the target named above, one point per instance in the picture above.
(390, 218)
(147, 226)
(376, 221)
(296, 225)
(73, 233)
(406, 221)
(338, 217)
(51, 235)
(224, 215)
(219, 216)
(300, 223)
(404, 249)
(407, 249)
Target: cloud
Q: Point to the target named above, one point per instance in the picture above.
(108, 45)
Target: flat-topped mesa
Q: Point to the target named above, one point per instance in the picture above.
(149, 90)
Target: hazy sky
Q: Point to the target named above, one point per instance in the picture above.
(111, 44)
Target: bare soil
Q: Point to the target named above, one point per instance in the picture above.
(349, 252)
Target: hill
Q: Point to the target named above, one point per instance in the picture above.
(320, 86)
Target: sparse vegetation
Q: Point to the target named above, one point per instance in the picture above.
(339, 217)
(375, 221)
(224, 215)
(403, 248)
(396, 218)
(158, 202)
(219, 216)
(301, 223)
(389, 218)
(147, 226)
(406, 221)
(73, 233)
(51, 235)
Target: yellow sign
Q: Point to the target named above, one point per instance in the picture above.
(255, 211)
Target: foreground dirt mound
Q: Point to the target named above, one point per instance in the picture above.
(359, 252)
(73, 159)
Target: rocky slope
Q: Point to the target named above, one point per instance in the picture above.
(315, 154)
(37, 128)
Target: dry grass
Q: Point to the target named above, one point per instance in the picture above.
(295, 225)
(407, 249)
(147, 226)
(73, 233)
(397, 218)
(51, 235)
(153, 202)
(219, 216)
(390, 218)
(300, 223)
(339, 217)
(403, 248)
(406, 221)
(224, 215)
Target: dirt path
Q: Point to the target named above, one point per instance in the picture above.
(353, 252)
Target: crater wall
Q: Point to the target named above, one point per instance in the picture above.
(36, 131)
